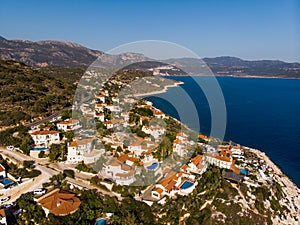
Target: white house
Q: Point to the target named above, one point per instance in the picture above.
(158, 114)
(110, 124)
(181, 183)
(222, 160)
(197, 165)
(140, 146)
(119, 172)
(100, 107)
(2, 172)
(45, 137)
(68, 125)
(77, 149)
(100, 116)
(155, 131)
(101, 97)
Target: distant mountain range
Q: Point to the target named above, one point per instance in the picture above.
(67, 54)
(45, 53)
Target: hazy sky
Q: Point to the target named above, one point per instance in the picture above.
(250, 29)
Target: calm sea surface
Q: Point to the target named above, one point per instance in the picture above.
(261, 113)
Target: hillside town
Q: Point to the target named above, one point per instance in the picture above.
(143, 148)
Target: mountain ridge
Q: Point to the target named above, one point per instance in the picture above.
(69, 54)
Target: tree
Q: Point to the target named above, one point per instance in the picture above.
(54, 152)
(30, 210)
(42, 154)
(66, 114)
(69, 173)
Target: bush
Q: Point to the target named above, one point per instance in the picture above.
(42, 154)
(69, 173)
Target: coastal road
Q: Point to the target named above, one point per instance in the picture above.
(54, 115)
(46, 173)
(31, 184)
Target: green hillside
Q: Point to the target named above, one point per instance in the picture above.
(28, 93)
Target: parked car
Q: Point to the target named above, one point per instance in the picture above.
(39, 191)
(9, 205)
(10, 148)
(4, 199)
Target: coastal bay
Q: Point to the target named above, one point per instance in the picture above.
(261, 113)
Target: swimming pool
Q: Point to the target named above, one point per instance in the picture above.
(186, 184)
(244, 171)
(39, 149)
(153, 166)
(5, 182)
(101, 222)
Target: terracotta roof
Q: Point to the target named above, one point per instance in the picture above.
(170, 185)
(73, 144)
(196, 160)
(223, 158)
(69, 122)
(114, 162)
(202, 136)
(129, 174)
(184, 167)
(80, 142)
(158, 190)
(44, 132)
(2, 168)
(2, 213)
(60, 202)
(124, 158)
(235, 169)
(111, 122)
(176, 141)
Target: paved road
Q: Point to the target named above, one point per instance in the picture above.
(47, 172)
(37, 182)
(49, 118)
(57, 114)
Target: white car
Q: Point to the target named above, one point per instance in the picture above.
(10, 148)
(39, 191)
(4, 199)
(9, 205)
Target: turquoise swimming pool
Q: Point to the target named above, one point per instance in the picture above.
(101, 222)
(153, 166)
(186, 184)
(244, 171)
(6, 182)
(39, 149)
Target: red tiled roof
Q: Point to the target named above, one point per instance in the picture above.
(2, 168)
(69, 122)
(158, 190)
(44, 132)
(60, 203)
(196, 160)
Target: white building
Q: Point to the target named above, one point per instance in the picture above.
(140, 146)
(110, 124)
(158, 114)
(154, 131)
(45, 137)
(77, 149)
(100, 116)
(197, 165)
(68, 125)
(119, 172)
(181, 183)
(222, 160)
(2, 172)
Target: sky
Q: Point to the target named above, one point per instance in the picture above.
(249, 29)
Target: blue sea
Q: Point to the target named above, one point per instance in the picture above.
(262, 113)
